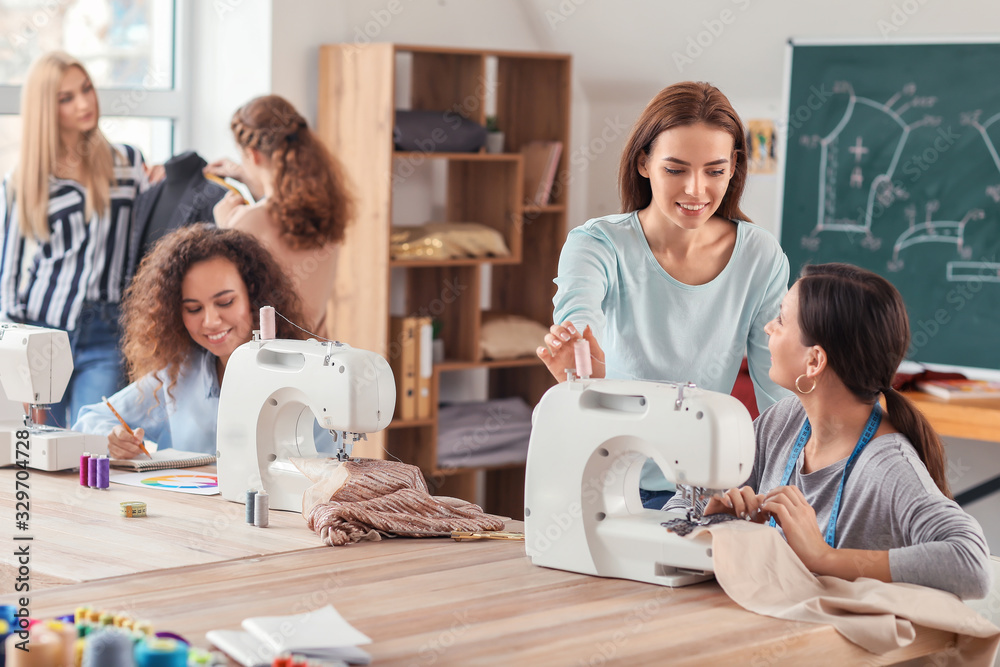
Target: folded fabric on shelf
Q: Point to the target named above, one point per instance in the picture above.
(483, 433)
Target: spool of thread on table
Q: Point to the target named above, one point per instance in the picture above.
(260, 509)
(46, 648)
(92, 472)
(103, 472)
(108, 648)
(267, 327)
(66, 632)
(581, 350)
(84, 470)
(157, 652)
(249, 505)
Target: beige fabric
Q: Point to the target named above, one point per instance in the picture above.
(447, 240)
(510, 336)
(762, 574)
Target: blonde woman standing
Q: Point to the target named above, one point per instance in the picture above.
(65, 226)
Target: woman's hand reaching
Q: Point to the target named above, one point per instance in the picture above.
(558, 355)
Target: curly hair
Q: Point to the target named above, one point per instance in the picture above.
(685, 103)
(155, 337)
(311, 202)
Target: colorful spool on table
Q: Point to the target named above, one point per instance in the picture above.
(156, 652)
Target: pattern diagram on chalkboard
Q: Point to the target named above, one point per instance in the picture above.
(870, 179)
(844, 156)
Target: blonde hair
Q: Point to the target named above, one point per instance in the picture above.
(40, 143)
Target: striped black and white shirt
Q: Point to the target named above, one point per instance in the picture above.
(82, 260)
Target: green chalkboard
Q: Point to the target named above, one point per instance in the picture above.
(893, 163)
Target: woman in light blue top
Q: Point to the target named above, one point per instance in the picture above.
(680, 284)
(194, 300)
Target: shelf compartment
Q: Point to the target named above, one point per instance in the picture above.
(452, 365)
(471, 261)
(451, 294)
(456, 157)
(488, 193)
(530, 293)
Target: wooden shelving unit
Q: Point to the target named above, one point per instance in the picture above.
(357, 103)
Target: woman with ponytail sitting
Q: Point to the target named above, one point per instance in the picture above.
(858, 492)
(304, 203)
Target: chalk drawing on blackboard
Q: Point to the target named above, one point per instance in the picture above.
(963, 272)
(870, 175)
(933, 231)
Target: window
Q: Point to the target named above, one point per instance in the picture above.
(129, 48)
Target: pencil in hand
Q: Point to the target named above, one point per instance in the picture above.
(127, 428)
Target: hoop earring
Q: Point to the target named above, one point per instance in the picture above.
(800, 389)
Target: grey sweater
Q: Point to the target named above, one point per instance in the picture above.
(890, 503)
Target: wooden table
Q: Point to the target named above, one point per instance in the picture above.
(80, 536)
(422, 601)
(972, 418)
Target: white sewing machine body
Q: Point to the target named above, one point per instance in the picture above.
(273, 393)
(35, 367)
(589, 440)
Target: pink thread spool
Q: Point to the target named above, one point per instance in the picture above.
(581, 349)
(267, 327)
(84, 468)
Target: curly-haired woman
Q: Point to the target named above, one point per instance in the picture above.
(194, 300)
(305, 202)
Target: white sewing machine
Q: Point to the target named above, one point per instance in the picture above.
(273, 393)
(589, 440)
(35, 367)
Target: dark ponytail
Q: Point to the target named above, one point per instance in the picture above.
(859, 318)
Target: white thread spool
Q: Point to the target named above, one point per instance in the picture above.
(581, 350)
(260, 509)
(267, 327)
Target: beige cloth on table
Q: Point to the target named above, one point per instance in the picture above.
(760, 572)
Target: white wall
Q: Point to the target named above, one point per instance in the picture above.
(228, 63)
(624, 52)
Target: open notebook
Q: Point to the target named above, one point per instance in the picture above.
(163, 459)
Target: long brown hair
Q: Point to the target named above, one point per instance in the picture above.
(40, 148)
(859, 318)
(311, 201)
(154, 334)
(682, 104)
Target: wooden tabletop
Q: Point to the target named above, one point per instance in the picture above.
(422, 601)
(972, 418)
(79, 534)
(436, 601)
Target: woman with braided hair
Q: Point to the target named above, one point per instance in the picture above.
(304, 203)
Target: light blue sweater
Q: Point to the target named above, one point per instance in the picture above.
(654, 327)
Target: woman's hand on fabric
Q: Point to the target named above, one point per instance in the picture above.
(797, 519)
(743, 503)
(224, 209)
(558, 353)
(125, 445)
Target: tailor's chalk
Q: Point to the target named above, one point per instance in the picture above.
(260, 509)
(249, 505)
(84, 470)
(92, 472)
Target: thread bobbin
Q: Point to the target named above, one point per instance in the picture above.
(267, 326)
